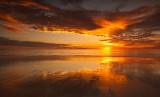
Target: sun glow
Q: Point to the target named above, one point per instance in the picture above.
(109, 44)
(106, 28)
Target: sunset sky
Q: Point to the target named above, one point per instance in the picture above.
(79, 24)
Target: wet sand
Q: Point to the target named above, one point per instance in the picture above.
(75, 76)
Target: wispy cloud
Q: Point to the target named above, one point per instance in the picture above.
(13, 29)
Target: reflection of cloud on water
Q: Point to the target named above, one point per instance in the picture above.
(111, 77)
(104, 82)
(65, 84)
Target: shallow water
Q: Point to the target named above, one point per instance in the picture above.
(80, 75)
(104, 52)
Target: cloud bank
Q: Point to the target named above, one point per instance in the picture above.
(6, 43)
(9, 42)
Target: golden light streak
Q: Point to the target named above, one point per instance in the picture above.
(107, 28)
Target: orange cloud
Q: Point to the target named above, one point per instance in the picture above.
(8, 18)
(13, 29)
(107, 27)
(24, 3)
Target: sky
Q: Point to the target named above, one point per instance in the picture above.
(79, 24)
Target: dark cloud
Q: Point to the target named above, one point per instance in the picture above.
(13, 29)
(9, 42)
(64, 4)
(41, 19)
(6, 43)
(31, 3)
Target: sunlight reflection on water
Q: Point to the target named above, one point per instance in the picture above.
(62, 76)
(103, 52)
